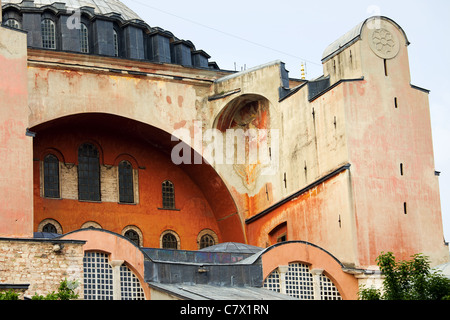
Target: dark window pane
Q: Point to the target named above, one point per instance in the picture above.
(169, 241)
(51, 177)
(126, 188)
(168, 195)
(88, 173)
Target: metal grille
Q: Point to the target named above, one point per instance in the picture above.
(126, 192)
(51, 176)
(299, 282)
(130, 288)
(168, 194)
(272, 282)
(84, 38)
(206, 241)
(88, 173)
(328, 289)
(48, 34)
(98, 277)
(169, 241)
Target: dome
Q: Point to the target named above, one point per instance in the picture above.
(101, 7)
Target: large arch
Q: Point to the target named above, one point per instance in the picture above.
(316, 258)
(203, 175)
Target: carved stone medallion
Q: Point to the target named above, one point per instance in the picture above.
(384, 43)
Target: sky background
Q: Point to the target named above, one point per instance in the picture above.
(239, 34)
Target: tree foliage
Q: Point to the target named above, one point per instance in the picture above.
(66, 291)
(408, 280)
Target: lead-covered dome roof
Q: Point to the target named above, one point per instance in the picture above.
(101, 7)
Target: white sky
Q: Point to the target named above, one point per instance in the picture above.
(253, 32)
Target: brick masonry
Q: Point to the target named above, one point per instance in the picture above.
(40, 264)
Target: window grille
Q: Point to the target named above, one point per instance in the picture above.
(126, 186)
(130, 288)
(51, 177)
(48, 34)
(328, 290)
(168, 194)
(88, 173)
(12, 23)
(272, 282)
(169, 241)
(299, 282)
(84, 38)
(98, 277)
(206, 241)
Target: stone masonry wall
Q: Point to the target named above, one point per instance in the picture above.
(40, 264)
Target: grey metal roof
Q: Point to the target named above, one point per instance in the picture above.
(233, 247)
(352, 36)
(208, 292)
(103, 7)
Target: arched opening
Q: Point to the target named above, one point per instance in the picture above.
(202, 199)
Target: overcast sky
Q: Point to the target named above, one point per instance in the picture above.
(252, 32)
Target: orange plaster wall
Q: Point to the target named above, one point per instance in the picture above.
(195, 212)
(316, 258)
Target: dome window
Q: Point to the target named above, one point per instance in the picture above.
(12, 23)
(84, 38)
(48, 34)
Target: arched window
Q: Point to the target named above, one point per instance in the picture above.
(49, 228)
(133, 236)
(169, 241)
(206, 241)
(116, 43)
(88, 173)
(48, 34)
(84, 38)
(51, 177)
(12, 23)
(126, 185)
(168, 195)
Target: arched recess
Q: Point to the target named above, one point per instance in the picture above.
(203, 175)
(245, 111)
(316, 258)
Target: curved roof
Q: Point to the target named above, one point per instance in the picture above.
(102, 7)
(233, 247)
(352, 36)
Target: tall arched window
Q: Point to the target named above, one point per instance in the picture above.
(168, 195)
(48, 34)
(116, 43)
(51, 177)
(84, 38)
(88, 173)
(126, 185)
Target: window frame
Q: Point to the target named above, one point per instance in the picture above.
(86, 177)
(126, 182)
(168, 196)
(46, 177)
(47, 41)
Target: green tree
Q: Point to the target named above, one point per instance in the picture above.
(408, 280)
